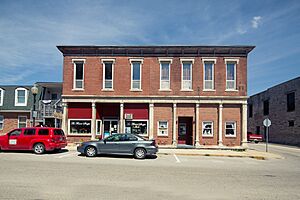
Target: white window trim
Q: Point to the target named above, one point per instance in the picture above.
(81, 134)
(131, 77)
(112, 71)
(19, 120)
(160, 81)
(1, 97)
(182, 60)
(1, 128)
(236, 61)
(212, 129)
(144, 120)
(231, 136)
(100, 132)
(74, 75)
(214, 60)
(158, 132)
(16, 96)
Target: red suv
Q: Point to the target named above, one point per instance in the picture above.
(38, 139)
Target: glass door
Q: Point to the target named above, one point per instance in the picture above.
(110, 127)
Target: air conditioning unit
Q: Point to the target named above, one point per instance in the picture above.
(128, 116)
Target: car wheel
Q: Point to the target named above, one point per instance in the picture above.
(39, 148)
(90, 151)
(139, 153)
(256, 142)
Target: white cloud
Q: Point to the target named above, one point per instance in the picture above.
(256, 21)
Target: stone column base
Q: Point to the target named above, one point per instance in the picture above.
(245, 144)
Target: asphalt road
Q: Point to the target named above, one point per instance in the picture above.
(67, 175)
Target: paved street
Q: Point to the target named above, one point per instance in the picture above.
(67, 175)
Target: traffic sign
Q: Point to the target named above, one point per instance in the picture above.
(267, 122)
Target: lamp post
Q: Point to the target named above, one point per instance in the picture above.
(34, 91)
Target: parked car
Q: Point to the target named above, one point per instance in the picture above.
(122, 144)
(252, 137)
(38, 139)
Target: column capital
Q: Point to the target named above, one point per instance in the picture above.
(197, 105)
(93, 104)
(121, 104)
(64, 104)
(174, 105)
(221, 105)
(151, 104)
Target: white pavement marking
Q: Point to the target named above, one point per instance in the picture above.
(177, 159)
(67, 155)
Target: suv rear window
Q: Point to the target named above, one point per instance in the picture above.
(43, 132)
(58, 132)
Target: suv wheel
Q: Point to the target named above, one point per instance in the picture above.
(39, 148)
(90, 151)
(140, 153)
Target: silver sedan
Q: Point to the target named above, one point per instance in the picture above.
(122, 144)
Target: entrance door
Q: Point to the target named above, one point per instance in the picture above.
(185, 130)
(110, 127)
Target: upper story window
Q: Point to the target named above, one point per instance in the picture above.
(165, 74)
(208, 65)
(290, 98)
(250, 110)
(136, 74)
(108, 74)
(186, 79)
(1, 96)
(231, 73)
(266, 107)
(21, 95)
(78, 73)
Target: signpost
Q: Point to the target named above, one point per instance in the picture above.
(267, 124)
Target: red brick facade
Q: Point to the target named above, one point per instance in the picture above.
(11, 121)
(184, 110)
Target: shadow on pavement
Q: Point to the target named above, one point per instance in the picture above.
(31, 152)
(120, 156)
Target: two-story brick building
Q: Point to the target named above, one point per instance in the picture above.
(194, 95)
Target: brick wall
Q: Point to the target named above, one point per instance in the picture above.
(11, 121)
(232, 113)
(209, 112)
(93, 77)
(280, 131)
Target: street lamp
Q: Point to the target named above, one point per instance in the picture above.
(34, 91)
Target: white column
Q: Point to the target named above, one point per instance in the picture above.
(220, 124)
(121, 117)
(151, 120)
(174, 124)
(93, 124)
(197, 144)
(64, 120)
(244, 125)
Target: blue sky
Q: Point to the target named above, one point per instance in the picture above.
(31, 30)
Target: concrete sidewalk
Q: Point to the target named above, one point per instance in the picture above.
(249, 153)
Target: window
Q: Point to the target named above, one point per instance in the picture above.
(290, 98)
(15, 132)
(1, 122)
(208, 65)
(21, 97)
(108, 74)
(291, 123)
(1, 96)
(207, 129)
(165, 74)
(54, 96)
(58, 132)
(230, 129)
(136, 75)
(266, 107)
(137, 127)
(80, 126)
(29, 131)
(22, 121)
(231, 73)
(162, 128)
(186, 83)
(98, 127)
(78, 73)
(250, 108)
(114, 138)
(43, 132)
(258, 130)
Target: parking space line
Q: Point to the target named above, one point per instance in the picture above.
(67, 155)
(177, 159)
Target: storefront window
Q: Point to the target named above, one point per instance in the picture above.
(136, 127)
(80, 126)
